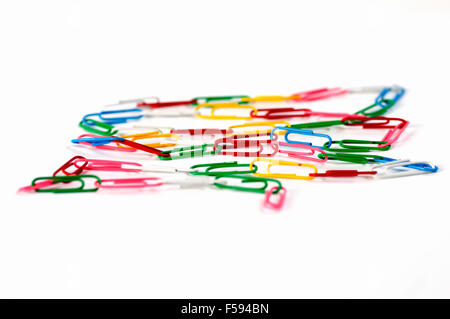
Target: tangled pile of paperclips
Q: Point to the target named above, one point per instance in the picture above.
(267, 138)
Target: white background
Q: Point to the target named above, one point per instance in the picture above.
(365, 238)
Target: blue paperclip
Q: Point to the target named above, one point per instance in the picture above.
(290, 130)
(421, 167)
(115, 120)
(381, 98)
(97, 141)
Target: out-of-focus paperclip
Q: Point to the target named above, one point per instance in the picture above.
(260, 127)
(150, 135)
(274, 162)
(247, 145)
(274, 204)
(213, 107)
(303, 155)
(402, 168)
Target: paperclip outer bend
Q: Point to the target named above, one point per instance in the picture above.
(269, 203)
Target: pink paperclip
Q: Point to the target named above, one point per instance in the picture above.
(106, 147)
(394, 134)
(328, 114)
(130, 183)
(107, 165)
(277, 205)
(318, 94)
(303, 155)
(37, 185)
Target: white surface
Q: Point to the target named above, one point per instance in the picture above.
(62, 59)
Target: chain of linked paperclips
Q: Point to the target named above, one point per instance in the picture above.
(261, 140)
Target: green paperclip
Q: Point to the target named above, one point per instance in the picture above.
(213, 166)
(317, 124)
(382, 110)
(108, 128)
(351, 158)
(66, 179)
(248, 179)
(359, 149)
(188, 151)
(207, 99)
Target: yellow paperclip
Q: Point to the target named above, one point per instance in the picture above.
(281, 162)
(268, 98)
(267, 123)
(231, 105)
(153, 134)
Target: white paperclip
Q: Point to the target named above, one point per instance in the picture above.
(153, 99)
(398, 169)
(365, 89)
(186, 181)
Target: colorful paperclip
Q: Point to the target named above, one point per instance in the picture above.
(216, 169)
(277, 204)
(289, 130)
(189, 151)
(212, 108)
(77, 164)
(246, 145)
(401, 168)
(273, 162)
(150, 135)
(303, 155)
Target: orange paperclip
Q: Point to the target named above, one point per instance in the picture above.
(153, 134)
(273, 162)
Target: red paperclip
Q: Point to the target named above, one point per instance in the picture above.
(277, 205)
(318, 94)
(156, 105)
(69, 163)
(245, 141)
(144, 148)
(342, 173)
(288, 112)
(383, 122)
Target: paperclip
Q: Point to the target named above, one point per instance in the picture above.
(188, 152)
(247, 180)
(348, 146)
(268, 98)
(220, 106)
(201, 131)
(271, 124)
(104, 147)
(343, 173)
(303, 155)
(159, 104)
(316, 124)
(65, 179)
(69, 163)
(400, 168)
(351, 158)
(273, 162)
(229, 98)
(318, 94)
(136, 101)
(375, 109)
(230, 145)
(275, 205)
(210, 169)
(148, 135)
(289, 112)
(290, 130)
(422, 166)
(114, 120)
(396, 90)
(97, 141)
(381, 122)
(103, 129)
(119, 183)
